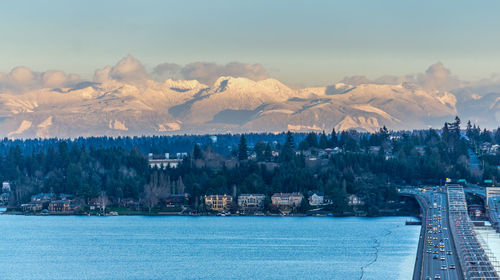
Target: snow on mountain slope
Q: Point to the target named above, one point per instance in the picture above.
(229, 105)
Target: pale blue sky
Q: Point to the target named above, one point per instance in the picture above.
(298, 42)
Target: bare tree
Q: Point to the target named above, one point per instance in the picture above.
(151, 196)
(180, 186)
(102, 202)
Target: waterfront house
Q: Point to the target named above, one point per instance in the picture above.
(248, 203)
(218, 202)
(129, 203)
(60, 206)
(43, 197)
(287, 199)
(177, 199)
(316, 198)
(66, 196)
(5, 187)
(31, 207)
(354, 200)
(4, 199)
(163, 161)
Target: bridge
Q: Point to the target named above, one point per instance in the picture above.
(491, 198)
(448, 246)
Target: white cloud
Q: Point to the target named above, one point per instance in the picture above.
(128, 69)
(208, 72)
(438, 77)
(22, 78)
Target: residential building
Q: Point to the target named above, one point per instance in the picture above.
(218, 202)
(61, 206)
(32, 207)
(287, 199)
(43, 197)
(5, 187)
(251, 202)
(354, 200)
(66, 196)
(129, 203)
(163, 161)
(4, 199)
(177, 199)
(316, 198)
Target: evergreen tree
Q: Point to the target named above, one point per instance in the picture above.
(333, 139)
(197, 154)
(259, 150)
(323, 141)
(242, 148)
(268, 154)
(288, 149)
(468, 130)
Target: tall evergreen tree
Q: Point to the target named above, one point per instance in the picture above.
(268, 154)
(288, 150)
(242, 148)
(197, 154)
(333, 139)
(323, 141)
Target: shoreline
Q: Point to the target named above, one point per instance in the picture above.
(214, 215)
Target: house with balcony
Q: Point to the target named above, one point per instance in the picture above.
(287, 200)
(32, 207)
(60, 206)
(4, 199)
(316, 198)
(218, 202)
(43, 197)
(249, 203)
(163, 161)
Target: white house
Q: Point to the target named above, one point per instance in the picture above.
(316, 198)
(163, 161)
(354, 200)
(5, 187)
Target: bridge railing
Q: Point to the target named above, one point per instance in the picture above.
(473, 259)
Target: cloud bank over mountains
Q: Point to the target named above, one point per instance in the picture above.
(129, 98)
(130, 70)
(437, 77)
(22, 79)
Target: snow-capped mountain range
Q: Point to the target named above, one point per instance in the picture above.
(229, 105)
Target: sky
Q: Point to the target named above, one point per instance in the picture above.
(298, 42)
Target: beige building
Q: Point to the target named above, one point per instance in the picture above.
(287, 199)
(218, 202)
(251, 202)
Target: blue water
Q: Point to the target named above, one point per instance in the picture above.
(133, 247)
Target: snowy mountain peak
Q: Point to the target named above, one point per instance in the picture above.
(229, 105)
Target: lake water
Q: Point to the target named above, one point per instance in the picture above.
(132, 247)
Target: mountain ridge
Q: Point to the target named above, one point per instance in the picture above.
(229, 105)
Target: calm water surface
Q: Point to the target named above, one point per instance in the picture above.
(206, 248)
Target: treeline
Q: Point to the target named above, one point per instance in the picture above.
(338, 164)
